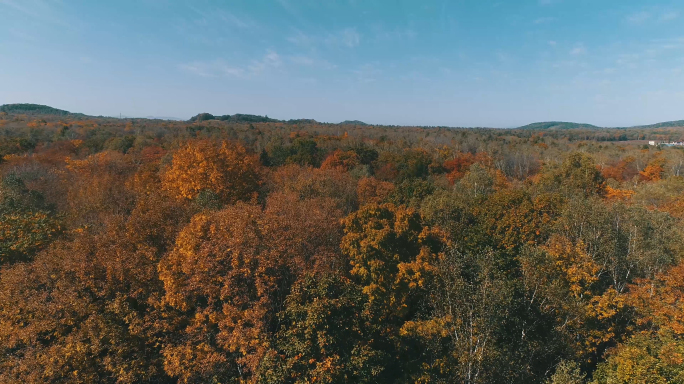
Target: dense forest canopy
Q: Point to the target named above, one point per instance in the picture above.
(241, 249)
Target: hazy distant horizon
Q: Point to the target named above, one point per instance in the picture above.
(171, 118)
(489, 64)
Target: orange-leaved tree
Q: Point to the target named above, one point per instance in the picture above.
(339, 159)
(659, 301)
(623, 170)
(228, 276)
(459, 165)
(96, 186)
(654, 170)
(81, 312)
(618, 194)
(654, 354)
(373, 191)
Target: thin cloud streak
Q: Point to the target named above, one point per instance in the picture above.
(638, 18)
(579, 49)
(220, 68)
(544, 20)
(40, 10)
(348, 37)
(220, 17)
(669, 16)
(217, 68)
(344, 38)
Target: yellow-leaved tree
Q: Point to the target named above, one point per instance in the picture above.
(392, 255)
(226, 170)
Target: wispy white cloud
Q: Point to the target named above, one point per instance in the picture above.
(222, 18)
(270, 60)
(301, 39)
(46, 11)
(287, 5)
(367, 73)
(628, 59)
(651, 15)
(215, 68)
(220, 68)
(23, 34)
(570, 64)
(350, 37)
(216, 27)
(552, 43)
(544, 20)
(347, 37)
(664, 45)
(302, 60)
(504, 57)
(605, 71)
(638, 18)
(309, 61)
(381, 34)
(579, 49)
(238, 22)
(669, 16)
(292, 10)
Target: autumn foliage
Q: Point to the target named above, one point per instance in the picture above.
(459, 165)
(653, 171)
(623, 170)
(224, 169)
(344, 160)
(141, 251)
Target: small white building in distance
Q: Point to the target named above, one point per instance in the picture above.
(670, 144)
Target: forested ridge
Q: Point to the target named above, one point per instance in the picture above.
(243, 250)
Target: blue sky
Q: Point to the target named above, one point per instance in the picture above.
(454, 63)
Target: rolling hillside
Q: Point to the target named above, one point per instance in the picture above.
(33, 109)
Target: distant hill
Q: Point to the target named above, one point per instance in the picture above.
(667, 124)
(38, 110)
(302, 121)
(34, 109)
(244, 118)
(162, 118)
(553, 125)
(353, 122)
(557, 125)
(238, 117)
